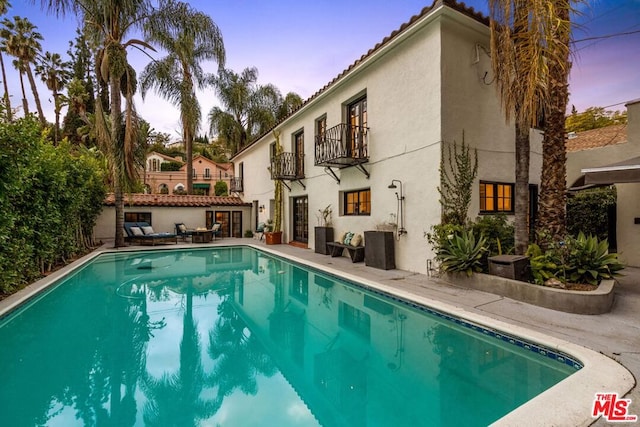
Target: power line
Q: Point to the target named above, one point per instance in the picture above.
(606, 36)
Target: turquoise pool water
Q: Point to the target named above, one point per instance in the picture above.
(237, 337)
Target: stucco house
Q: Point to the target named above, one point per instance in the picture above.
(389, 118)
(205, 172)
(607, 156)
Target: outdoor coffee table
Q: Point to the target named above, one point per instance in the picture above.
(201, 236)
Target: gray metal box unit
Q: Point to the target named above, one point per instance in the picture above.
(509, 266)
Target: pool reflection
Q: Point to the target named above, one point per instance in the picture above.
(235, 336)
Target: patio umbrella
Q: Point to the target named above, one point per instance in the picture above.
(620, 172)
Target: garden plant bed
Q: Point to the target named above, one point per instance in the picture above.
(578, 298)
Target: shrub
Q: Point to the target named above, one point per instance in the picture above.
(588, 211)
(498, 231)
(462, 253)
(170, 166)
(221, 188)
(583, 259)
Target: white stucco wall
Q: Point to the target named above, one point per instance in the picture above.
(423, 88)
(164, 218)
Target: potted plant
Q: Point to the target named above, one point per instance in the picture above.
(324, 230)
(270, 235)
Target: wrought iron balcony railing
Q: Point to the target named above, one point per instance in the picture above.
(342, 145)
(287, 166)
(235, 184)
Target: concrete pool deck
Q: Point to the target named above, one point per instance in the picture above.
(615, 335)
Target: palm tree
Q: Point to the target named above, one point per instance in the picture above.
(249, 110)
(55, 74)
(107, 24)
(189, 37)
(552, 213)
(518, 63)
(22, 41)
(4, 6)
(18, 65)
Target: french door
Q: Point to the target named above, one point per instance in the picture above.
(301, 219)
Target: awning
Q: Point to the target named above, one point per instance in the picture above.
(199, 185)
(620, 172)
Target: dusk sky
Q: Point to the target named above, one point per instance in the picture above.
(300, 46)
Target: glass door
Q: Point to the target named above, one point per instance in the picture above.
(301, 219)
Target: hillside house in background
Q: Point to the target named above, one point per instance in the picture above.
(205, 174)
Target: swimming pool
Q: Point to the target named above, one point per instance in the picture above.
(237, 336)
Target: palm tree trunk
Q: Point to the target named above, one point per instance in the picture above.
(56, 110)
(25, 104)
(7, 102)
(188, 143)
(34, 89)
(522, 188)
(115, 114)
(553, 199)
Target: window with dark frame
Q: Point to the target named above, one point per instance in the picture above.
(496, 197)
(138, 217)
(321, 127)
(357, 202)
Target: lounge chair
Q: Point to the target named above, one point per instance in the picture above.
(217, 231)
(260, 230)
(182, 231)
(142, 233)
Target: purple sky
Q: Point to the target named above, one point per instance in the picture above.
(300, 46)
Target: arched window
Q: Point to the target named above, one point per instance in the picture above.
(164, 189)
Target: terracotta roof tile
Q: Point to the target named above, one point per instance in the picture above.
(175, 200)
(597, 138)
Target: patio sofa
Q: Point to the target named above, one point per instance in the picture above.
(142, 233)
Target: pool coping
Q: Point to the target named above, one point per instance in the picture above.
(600, 374)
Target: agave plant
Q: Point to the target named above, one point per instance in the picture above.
(462, 253)
(590, 260)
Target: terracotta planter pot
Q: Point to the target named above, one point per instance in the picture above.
(273, 237)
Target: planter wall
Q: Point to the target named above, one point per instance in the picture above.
(323, 235)
(379, 249)
(598, 301)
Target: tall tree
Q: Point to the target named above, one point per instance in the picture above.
(55, 73)
(23, 42)
(553, 199)
(4, 6)
(81, 89)
(518, 63)
(189, 37)
(249, 109)
(107, 25)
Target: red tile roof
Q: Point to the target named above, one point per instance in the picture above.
(175, 200)
(597, 138)
(453, 4)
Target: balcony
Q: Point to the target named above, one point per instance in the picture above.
(206, 177)
(235, 184)
(342, 146)
(287, 167)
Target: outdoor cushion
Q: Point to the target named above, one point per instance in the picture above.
(341, 237)
(182, 228)
(347, 238)
(136, 231)
(147, 230)
(215, 227)
(356, 240)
